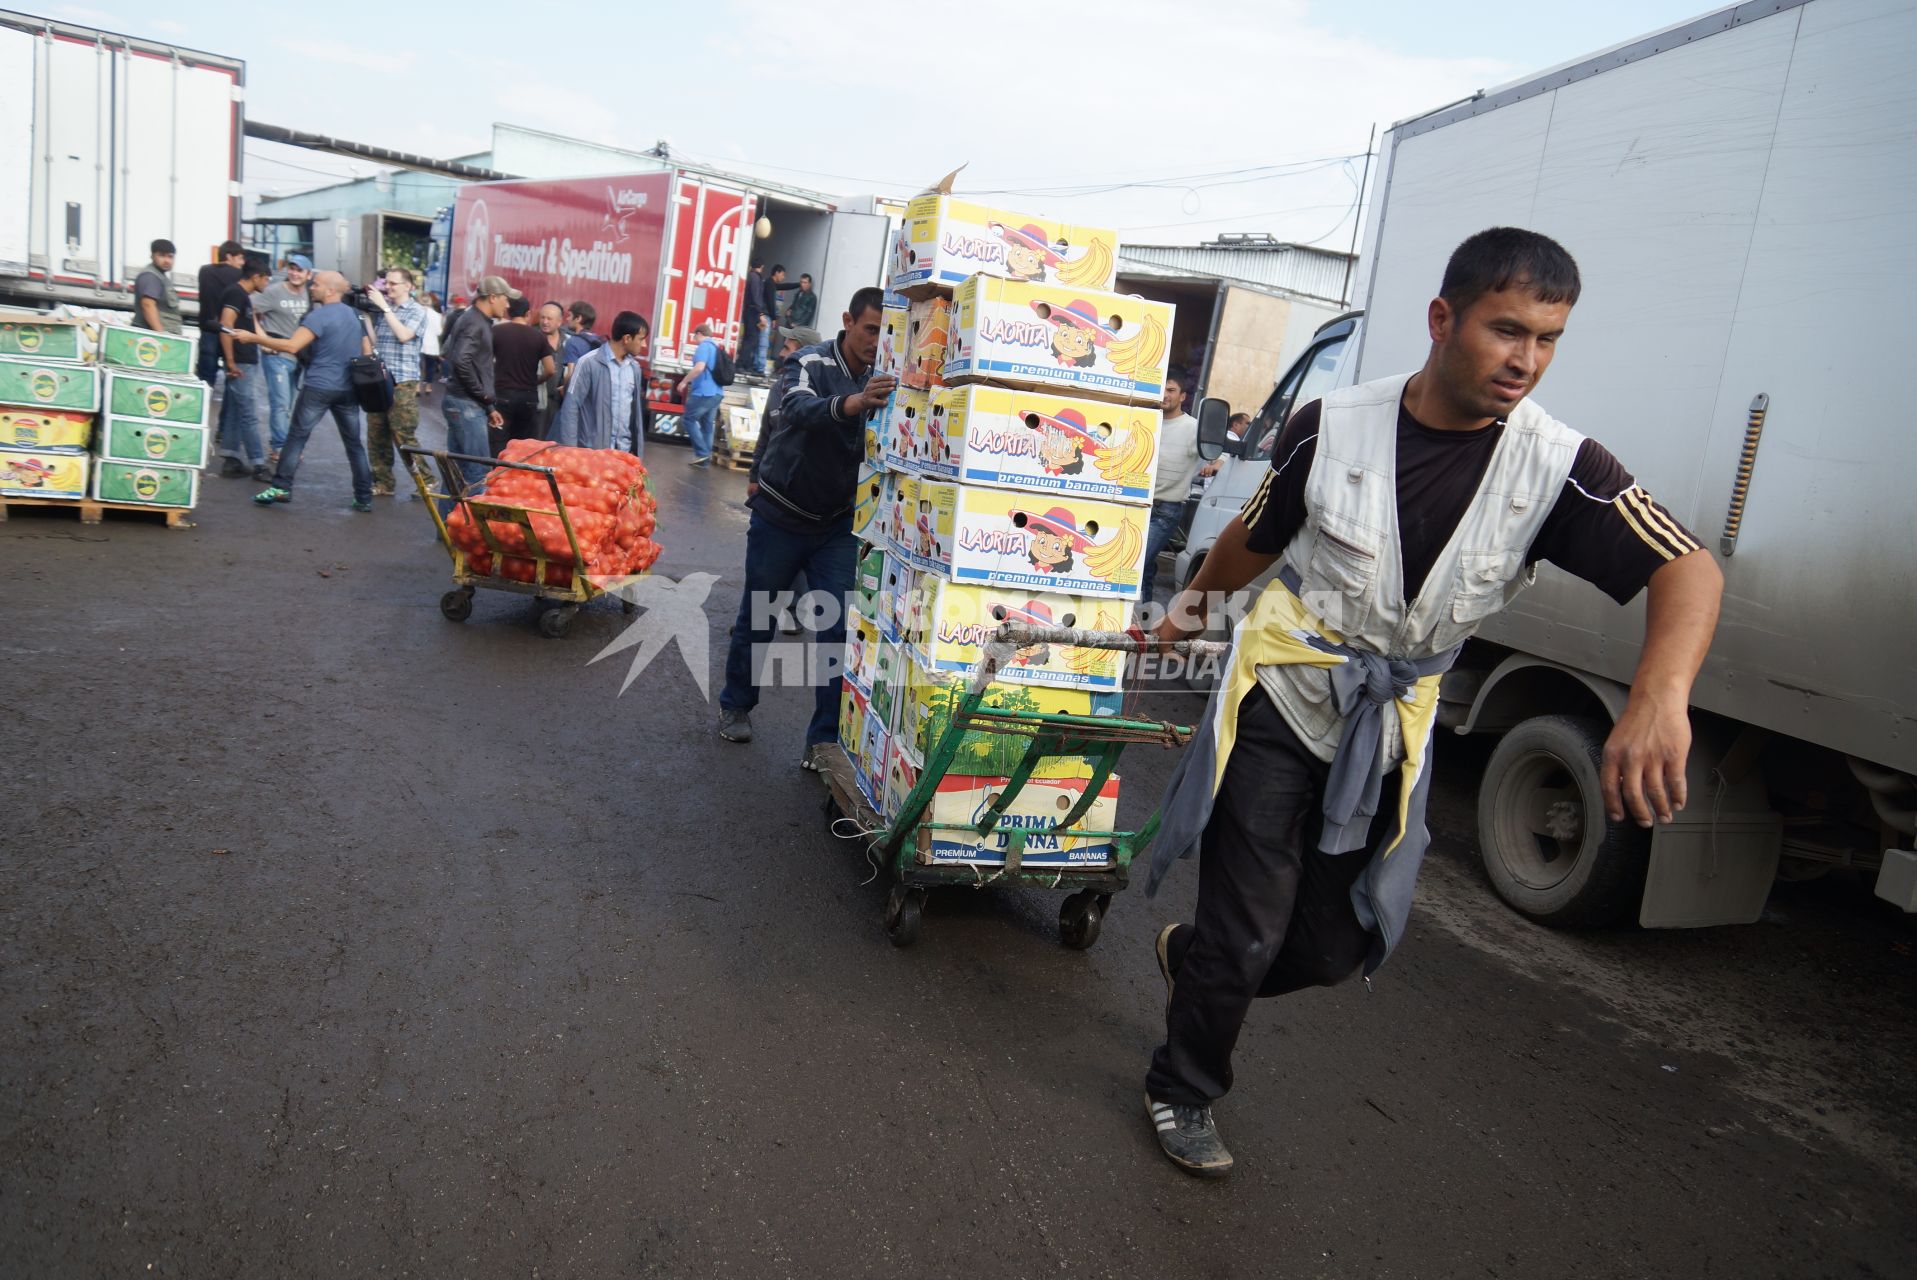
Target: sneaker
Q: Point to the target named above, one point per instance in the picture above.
(735, 726)
(699, 462)
(270, 496)
(362, 504)
(1164, 962)
(1189, 1137)
(232, 469)
(815, 757)
(383, 490)
(263, 474)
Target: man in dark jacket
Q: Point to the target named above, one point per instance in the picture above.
(472, 403)
(808, 472)
(756, 320)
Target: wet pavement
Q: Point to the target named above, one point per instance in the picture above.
(339, 939)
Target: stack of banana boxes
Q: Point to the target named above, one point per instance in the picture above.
(131, 429)
(1008, 479)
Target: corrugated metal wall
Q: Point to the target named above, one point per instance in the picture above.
(1315, 273)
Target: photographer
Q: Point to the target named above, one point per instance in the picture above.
(398, 338)
(331, 331)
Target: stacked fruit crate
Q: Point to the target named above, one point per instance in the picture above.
(1009, 478)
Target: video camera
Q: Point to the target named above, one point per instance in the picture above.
(360, 298)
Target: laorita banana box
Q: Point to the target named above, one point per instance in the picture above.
(926, 523)
(866, 501)
(1035, 811)
(39, 336)
(952, 625)
(144, 440)
(147, 484)
(1042, 442)
(888, 680)
(875, 740)
(890, 361)
(1046, 337)
(899, 496)
(897, 580)
(35, 383)
(137, 395)
(946, 241)
(1066, 545)
(902, 771)
(853, 708)
(928, 337)
(43, 473)
(861, 650)
(125, 347)
(903, 427)
(931, 699)
(45, 428)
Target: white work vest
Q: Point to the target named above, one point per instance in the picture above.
(1347, 553)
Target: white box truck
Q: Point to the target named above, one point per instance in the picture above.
(108, 144)
(1740, 192)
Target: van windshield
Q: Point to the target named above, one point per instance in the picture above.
(1307, 380)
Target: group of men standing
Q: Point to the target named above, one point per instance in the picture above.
(766, 313)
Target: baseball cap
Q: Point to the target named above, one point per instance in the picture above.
(804, 337)
(300, 260)
(495, 287)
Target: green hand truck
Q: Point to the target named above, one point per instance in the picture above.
(902, 844)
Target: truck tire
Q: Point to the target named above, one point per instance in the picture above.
(1546, 844)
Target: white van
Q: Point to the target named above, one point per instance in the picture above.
(1327, 364)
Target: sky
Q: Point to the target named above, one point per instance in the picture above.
(1171, 122)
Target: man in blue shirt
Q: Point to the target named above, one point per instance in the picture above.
(702, 404)
(334, 333)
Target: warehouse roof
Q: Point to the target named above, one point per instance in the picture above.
(1253, 258)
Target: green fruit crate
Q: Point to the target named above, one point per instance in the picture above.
(146, 484)
(39, 339)
(135, 395)
(124, 347)
(48, 384)
(147, 440)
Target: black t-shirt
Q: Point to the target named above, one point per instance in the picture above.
(1603, 527)
(517, 351)
(215, 279)
(242, 303)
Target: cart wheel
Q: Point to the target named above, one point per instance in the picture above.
(904, 908)
(457, 605)
(1079, 917)
(555, 623)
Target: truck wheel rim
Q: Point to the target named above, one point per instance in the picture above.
(1538, 821)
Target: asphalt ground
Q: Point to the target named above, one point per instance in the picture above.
(342, 940)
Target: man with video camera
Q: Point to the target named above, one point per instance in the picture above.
(398, 332)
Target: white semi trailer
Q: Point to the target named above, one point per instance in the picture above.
(1740, 192)
(108, 143)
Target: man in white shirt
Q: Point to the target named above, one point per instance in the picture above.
(1178, 464)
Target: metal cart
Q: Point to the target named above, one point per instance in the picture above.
(457, 604)
(901, 845)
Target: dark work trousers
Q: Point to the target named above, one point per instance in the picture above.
(520, 409)
(1274, 913)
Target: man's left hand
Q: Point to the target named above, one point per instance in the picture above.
(1643, 766)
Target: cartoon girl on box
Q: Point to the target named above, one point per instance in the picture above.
(928, 538)
(1065, 438)
(1077, 332)
(1034, 613)
(1028, 256)
(1052, 540)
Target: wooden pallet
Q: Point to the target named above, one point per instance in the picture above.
(736, 461)
(92, 512)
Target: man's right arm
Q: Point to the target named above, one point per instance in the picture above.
(804, 408)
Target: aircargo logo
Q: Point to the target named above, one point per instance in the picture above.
(620, 206)
(478, 240)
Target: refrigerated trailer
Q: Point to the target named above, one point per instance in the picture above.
(674, 244)
(1740, 192)
(111, 143)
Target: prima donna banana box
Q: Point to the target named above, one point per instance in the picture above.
(931, 699)
(945, 241)
(1066, 545)
(951, 624)
(1042, 442)
(1046, 337)
(1036, 810)
(63, 429)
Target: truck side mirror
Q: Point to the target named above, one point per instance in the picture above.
(1214, 429)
